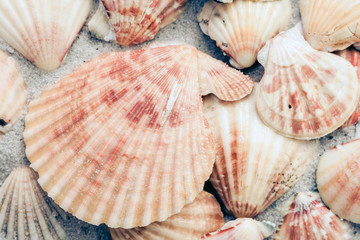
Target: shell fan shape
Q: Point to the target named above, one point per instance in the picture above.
(126, 131)
(13, 93)
(242, 229)
(330, 25)
(304, 93)
(42, 30)
(131, 22)
(24, 212)
(254, 166)
(194, 220)
(241, 28)
(338, 180)
(308, 219)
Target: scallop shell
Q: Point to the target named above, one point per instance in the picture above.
(24, 212)
(327, 30)
(194, 220)
(134, 22)
(338, 180)
(254, 166)
(304, 93)
(123, 140)
(353, 57)
(242, 229)
(241, 28)
(308, 219)
(13, 93)
(42, 30)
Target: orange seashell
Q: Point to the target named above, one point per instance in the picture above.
(194, 220)
(304, 93)
(338, 180)
(123, 140)
(308, 219)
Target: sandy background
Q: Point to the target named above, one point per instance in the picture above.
(185, 30)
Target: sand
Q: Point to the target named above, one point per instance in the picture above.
(184, 30)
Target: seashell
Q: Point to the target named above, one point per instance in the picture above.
(308, 219)
(304, 93)
(42, 30)
(242, 229)
(24, 212)
(194, 220)
(353, 57)
(338, 180)
(241, 28)
(327, 30)
(134, 22)
(13, 93)
(357, 45)
(254, 166)
(123, 139)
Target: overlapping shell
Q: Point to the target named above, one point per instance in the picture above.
(308, 219)
(241, 28)
(331, 25)
(13, 93)
(242, 229)
(194, 220)
(24, 212)
(123, 140)
(42, 30)
(133, 21)
(254, 166)
(338, 180)
(304, 93)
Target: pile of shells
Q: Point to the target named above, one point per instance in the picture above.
(129, 138)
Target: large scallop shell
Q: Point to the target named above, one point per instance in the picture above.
(338, 180)
(308, 219)
(194, 220)
(304, 93)
(123, 140)
(24, 212)
(13, 93)
(331, 25)
(242, 229)
(133, 21)
(241, 28)
(254, 166)
(42, 30)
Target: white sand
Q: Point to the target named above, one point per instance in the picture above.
(186, 30)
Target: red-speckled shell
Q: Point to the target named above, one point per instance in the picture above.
(194, 220)
(304, 93)
(308, 219)
(123, 140)
(338, 180)
(42, 30)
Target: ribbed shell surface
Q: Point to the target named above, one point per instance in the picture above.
(24, 213)
(304, 93)
(254, 166)
(194, 220)
(13, 93)
(42, 30)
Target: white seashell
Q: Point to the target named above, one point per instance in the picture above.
(42, 30)
(13, 93)
(242, 229)
(241, 28)
(338, 180)
(24, 212)
(304, 93)
(254, 166)
(194, 220)
(308, 219)
(331, 25)
(123, 139)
